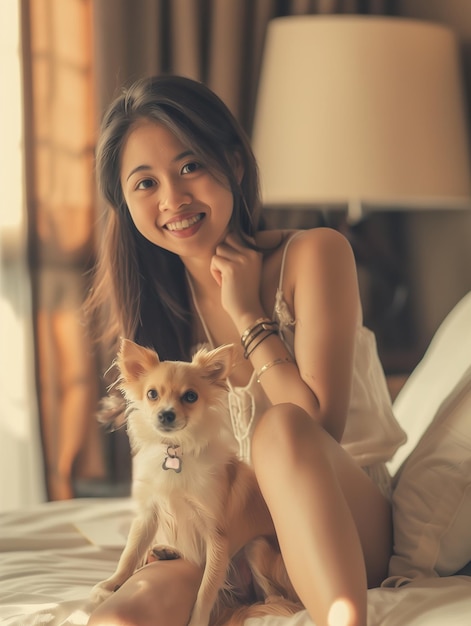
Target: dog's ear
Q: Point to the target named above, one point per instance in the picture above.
(133, 360)
(216, 364)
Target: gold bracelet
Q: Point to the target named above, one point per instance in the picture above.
(267, 366)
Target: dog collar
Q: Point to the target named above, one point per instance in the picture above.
(173, 461)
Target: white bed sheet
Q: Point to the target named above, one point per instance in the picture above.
(52, 554)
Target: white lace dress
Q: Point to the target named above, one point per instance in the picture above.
(371, 435)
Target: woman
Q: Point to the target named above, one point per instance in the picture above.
(188, 263)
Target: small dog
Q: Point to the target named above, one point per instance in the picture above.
(192, 492)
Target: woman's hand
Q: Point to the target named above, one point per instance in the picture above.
(237, 270)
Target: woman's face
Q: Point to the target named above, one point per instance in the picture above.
(174, 201)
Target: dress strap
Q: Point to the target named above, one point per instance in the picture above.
(283, 258)
(198, 311)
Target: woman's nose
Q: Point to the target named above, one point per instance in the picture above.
(173, 195)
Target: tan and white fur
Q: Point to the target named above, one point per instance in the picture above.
(192, 493)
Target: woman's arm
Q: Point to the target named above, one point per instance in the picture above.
(321, 290)
(326, 307)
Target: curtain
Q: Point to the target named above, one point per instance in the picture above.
(21, 466)
(79, 54)
(61, 115)
(219, 42)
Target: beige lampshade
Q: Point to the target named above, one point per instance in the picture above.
(361, 111)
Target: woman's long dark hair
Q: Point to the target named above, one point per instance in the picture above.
(140, 288)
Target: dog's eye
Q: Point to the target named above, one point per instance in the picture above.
(190, 396)
(152, 394)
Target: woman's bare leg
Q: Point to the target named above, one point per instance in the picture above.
(332, 522)
(160, 594)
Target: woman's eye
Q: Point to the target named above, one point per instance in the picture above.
(152, 394)
(189, 168)
(147, 183)
(190, 396)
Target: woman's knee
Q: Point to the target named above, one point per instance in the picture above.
(285, 433)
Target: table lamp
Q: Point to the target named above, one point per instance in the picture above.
(362, 112)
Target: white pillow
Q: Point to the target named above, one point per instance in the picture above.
(442, 368)
(432, 482)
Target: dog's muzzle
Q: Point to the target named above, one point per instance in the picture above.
(166, 417)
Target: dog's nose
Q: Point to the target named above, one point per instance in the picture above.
(167, 416)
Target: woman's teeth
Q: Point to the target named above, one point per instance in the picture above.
(184, 223)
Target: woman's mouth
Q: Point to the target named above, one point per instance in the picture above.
(185, 223)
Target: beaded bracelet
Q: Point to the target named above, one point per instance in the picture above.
(267, 366)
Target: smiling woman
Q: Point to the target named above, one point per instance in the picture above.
(182, 188)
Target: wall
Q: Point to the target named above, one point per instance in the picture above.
(440, 243)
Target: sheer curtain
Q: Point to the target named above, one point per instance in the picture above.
(21, 465)
(61, 205)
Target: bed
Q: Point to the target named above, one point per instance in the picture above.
(52, 554)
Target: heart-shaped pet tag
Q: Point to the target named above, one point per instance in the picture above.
(172, 462)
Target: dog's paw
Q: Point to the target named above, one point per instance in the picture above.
(198, 618)
(165, 553)
(102, 591)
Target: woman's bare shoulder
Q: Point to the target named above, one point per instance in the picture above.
(317, 254)
(306, 248)
(321, 237)
(312, 242)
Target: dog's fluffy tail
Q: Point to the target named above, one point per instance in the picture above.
(271, 582)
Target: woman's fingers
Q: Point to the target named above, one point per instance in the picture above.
(237, 270)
